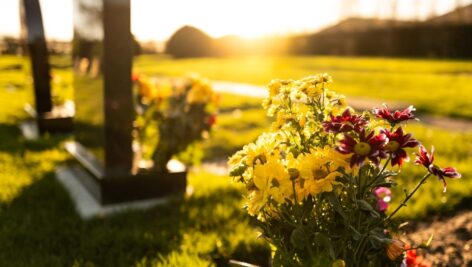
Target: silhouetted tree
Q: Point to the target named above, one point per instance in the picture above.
(190, 42)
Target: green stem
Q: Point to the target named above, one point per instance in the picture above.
(423, 180)
(380, 172)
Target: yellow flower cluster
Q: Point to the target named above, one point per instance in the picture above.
(295, 160)
(273, 175)
(197, 90)
(297, 103)
(153, 90)
(200, 91)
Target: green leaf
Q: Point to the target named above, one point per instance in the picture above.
(238, 170)
(323, 241)
(298, 237)
(355, 235)
(364, 205)
(333, 199)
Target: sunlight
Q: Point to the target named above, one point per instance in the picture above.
(156, 20)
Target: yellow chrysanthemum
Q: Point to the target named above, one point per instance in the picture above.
(319, 171)
(273, 178)
(264, 148)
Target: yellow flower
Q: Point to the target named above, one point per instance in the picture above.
(325, 77)
(273, 178)
(280, 120)
(146, 88)
(200, 91)
(274, 87)
(314, 91)
(264, 148)
(236, 158)
(302, 121)
(319, 171)
(256, 201)
(337, 159)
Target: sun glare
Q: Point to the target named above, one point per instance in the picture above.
(157, 20)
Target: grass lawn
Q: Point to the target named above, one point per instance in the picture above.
(38, 225)
(441, 87)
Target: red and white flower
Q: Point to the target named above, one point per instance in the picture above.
(426, 159)
(397, 141)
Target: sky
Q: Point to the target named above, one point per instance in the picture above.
(157, 20)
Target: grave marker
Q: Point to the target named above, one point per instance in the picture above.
(102, 56)
(48, 118)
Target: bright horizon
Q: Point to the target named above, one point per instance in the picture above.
(156, 21)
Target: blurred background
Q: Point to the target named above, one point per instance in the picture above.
(340, 27)
(398, 52)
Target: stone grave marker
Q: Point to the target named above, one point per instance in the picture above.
(102, 59)
(47, 117)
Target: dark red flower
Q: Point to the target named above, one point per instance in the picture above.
(395, 117)
(344, 123)
(368, 146)
(426, 159)
(396, 142)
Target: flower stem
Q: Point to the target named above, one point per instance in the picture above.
(423, 180)
(379, 173)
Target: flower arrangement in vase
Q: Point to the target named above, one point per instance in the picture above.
(318, 183)
(171, 115)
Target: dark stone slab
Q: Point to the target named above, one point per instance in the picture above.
(33, 34)
(49, 118)
(102, 59)
(125, 188)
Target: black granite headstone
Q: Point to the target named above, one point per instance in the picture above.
(47, 117)
(102, 56)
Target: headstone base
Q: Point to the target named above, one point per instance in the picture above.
(60, 120)
(108, 189)
(87, 205)
(29, 129)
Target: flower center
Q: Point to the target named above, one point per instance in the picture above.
(362, 148)
(392, 146)
(319, 173)
(261, 159)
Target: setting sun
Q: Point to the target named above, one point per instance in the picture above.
(156, 20)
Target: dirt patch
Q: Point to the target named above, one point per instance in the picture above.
(452, 239)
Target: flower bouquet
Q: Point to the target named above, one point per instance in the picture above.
(171, 115)
(318, 183)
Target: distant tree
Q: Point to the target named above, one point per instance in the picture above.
(190, 42)
(12, 45)
(137, 50)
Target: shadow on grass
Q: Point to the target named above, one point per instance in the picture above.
(14, 142)
(40, 228)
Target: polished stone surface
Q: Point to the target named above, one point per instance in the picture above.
(102, 57)
(35, 47)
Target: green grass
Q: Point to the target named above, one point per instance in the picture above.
(435, 86)
(39, 227)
